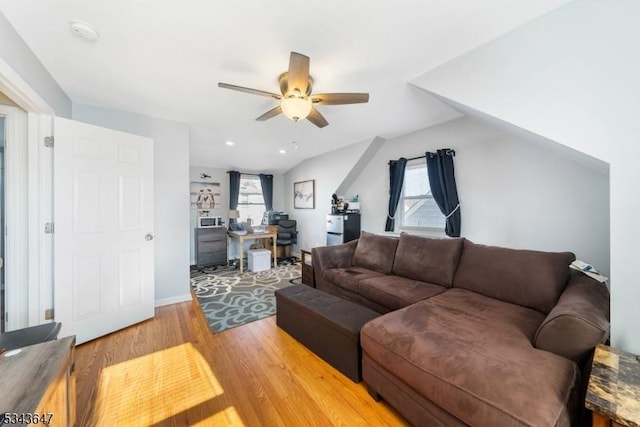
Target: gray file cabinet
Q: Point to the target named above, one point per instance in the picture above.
(211, 246)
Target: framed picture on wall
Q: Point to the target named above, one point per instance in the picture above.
(205, 196)
(304, 194)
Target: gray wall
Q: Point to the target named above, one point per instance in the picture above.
(15, 52)
(171, 176)
(514, 192)
(559, 78)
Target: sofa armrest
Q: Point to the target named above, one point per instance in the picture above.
(578, 322)
(325, 257)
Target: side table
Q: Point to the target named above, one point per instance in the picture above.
(614, 388)
(307, 269)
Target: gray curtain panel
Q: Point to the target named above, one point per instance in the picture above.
(266, 181)
(396, 178)
(443, 188)
(234, 191)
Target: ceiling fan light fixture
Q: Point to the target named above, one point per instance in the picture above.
(296, 108)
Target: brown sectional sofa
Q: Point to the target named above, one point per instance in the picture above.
(473, 335)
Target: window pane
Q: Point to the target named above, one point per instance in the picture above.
(416, 182)
(418, 207)
(255, 212)
(422, 213)
(255, 199)
(250, 200)
(250, 185)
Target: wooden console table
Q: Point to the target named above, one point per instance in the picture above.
(307, 269)
(39, 381)
(240, 238)
(614, 388)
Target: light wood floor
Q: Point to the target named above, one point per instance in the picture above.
(172, 371)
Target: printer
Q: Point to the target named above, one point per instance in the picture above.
(274, 218)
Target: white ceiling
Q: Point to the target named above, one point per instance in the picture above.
(164, 59)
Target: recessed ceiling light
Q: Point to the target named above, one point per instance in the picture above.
(282, 151)
(230, 143)
(84, 31)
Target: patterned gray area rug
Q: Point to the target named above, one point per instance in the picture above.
(229, 299)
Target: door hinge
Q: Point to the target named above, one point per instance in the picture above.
(48, 141)
(48, 228)
(48, 314)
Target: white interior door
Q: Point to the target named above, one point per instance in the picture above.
(103, 216)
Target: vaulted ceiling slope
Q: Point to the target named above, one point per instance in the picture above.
(554, 77)
(164, 59)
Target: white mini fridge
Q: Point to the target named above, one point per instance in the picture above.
(342, 228)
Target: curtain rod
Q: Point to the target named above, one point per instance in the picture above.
(251, 174)
(453, 152)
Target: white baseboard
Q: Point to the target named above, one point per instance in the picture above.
(172, 300)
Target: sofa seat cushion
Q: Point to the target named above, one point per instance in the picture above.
(428, 260)
(375, 252)
(395, 292)
(472, 356)
(532, 279)
(348, 278)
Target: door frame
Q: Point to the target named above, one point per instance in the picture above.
(35, 294)
(16, 233)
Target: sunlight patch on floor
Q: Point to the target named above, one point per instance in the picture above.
(155, 387)
(227, 417)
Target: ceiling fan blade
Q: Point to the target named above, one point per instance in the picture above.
(317, 119)
(249, 90)
(269, 114)
(298, 76)
(339, 98)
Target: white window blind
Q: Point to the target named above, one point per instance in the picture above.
(417, 207)
(250, 199)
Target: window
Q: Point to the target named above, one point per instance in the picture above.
(250, 200)
(417, 208)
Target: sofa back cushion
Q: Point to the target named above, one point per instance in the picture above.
(375, 252)
(531, 279)
(427, 260)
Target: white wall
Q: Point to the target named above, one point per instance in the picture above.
(514, 193)
(15, 52)
(171, 174)
(571, 76)
(328, 170)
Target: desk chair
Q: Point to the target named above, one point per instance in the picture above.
(287, 236)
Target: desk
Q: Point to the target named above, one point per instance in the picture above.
(614, 388)
(240, 238)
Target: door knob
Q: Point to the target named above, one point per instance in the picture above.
(148, 237)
